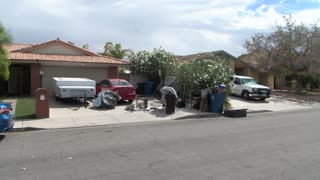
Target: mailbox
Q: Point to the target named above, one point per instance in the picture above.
(42, 103)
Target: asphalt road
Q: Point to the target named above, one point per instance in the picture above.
(261, 146)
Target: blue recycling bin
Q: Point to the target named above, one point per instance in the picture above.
(216, 102)
(148, 88)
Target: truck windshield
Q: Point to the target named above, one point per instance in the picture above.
(248, 81)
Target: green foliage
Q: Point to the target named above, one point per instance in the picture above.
(86, 46)
(149, 64)
(5, 38)
(203, 72)
(115, 51)
(290, 50)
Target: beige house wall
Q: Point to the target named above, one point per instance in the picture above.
(94, 73)
(58, 49)
(271, 80)
(232, 65)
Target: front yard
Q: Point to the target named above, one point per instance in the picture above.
(25, 108)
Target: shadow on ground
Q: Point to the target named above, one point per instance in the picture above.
(2, 136)
(26, 129)
(26, 118)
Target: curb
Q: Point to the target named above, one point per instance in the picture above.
(199, 116)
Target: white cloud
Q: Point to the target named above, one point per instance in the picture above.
(180, 26)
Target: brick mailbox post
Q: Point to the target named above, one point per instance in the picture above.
(42, 103)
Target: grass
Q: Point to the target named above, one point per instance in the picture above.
(25, 108)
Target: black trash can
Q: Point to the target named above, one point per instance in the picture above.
(170, 103)
(140, 88)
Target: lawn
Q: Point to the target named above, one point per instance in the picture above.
(25, 108)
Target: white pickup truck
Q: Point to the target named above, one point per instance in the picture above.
(247, 88)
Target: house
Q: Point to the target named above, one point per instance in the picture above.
(34, 65)
(250, 68)
(245, 66)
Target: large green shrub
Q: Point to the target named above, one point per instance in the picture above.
(203, 72)
(149, 64)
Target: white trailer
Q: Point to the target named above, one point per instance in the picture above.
(80, 88)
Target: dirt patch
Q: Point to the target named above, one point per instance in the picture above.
(295, 97)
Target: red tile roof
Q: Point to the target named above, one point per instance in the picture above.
(16, 46)
(65, 58)
(36, 46)
(20, 52)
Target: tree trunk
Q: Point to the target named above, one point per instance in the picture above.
(299, 86)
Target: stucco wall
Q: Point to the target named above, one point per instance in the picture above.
(95, 73)
(58, 49)
(232, 65)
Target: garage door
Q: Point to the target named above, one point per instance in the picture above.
(94, 73)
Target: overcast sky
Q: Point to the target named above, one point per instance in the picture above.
(179, 26)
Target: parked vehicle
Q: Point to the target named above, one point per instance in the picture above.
(80, 88)
(6, 117)
(120, 86)
(247, 88)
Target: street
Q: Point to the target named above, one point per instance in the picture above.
(282, 145)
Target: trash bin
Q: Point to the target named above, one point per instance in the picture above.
(216, 102)
(140, 88)
(148, 88)
(170, 103)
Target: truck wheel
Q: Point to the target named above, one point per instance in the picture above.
(245, 95)
(262, 99)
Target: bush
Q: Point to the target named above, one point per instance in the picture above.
(203, 72)
(149, 64)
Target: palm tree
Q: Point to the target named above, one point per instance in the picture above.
(115, 50)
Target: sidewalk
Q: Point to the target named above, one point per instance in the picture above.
(66, 116)
(74, 115)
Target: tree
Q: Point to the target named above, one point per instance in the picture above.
(85, 46)
(115, 51)
(5, 38)
(153, 65)
(290, 50)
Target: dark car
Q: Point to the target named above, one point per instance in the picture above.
(120, 86)
(6, 117)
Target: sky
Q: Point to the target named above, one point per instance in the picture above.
(179, 26)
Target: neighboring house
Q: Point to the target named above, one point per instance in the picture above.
(34, 65)
(245, 66)
(250, 68)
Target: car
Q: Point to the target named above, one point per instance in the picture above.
(120, 86)
(6, 117)
(247, 88)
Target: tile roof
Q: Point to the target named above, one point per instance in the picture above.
(65, 58)
(249, 59)
(35, 46)
(18, 51)
(16, 46)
